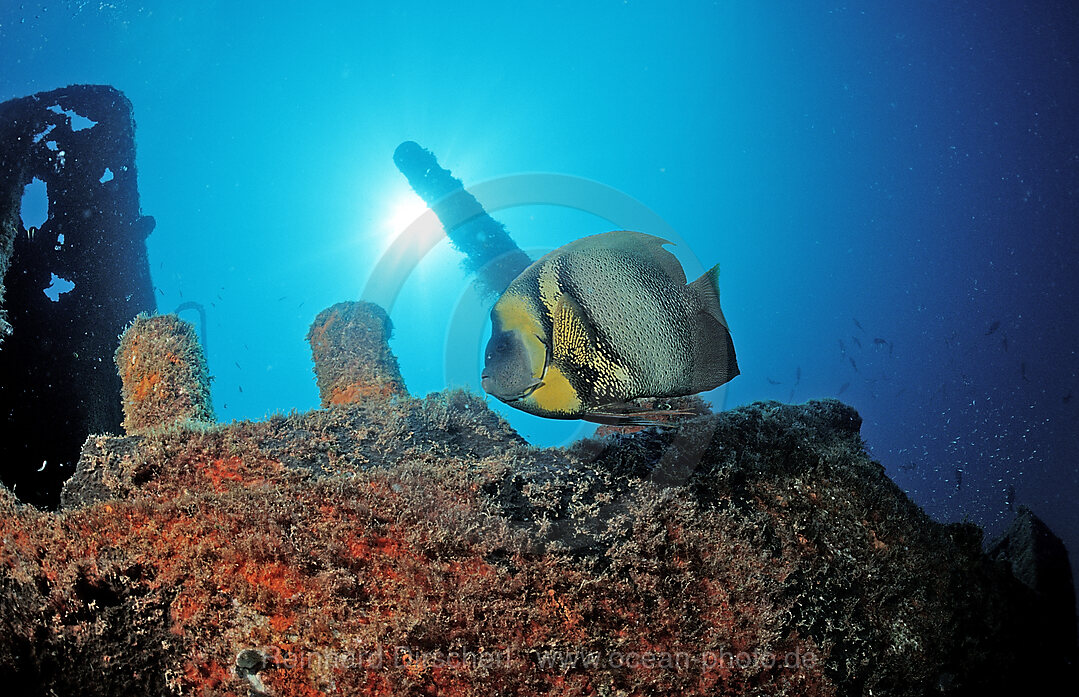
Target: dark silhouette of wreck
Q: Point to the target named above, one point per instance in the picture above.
(58, 383)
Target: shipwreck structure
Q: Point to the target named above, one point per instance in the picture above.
(489, 251)
(69, 281)
(387, 545)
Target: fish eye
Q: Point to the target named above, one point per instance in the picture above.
(503, 350)
(500, 344)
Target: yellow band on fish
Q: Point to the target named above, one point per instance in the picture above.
(514, 313)
(557, 395)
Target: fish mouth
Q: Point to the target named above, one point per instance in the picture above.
(537, 382)
(485, 382)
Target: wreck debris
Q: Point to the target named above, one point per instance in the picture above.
(490, 252)
(431, 552)
(58, 384)
(353, 361)
(1039, 561)
(404, 546)
(163, 369)
(387, 545)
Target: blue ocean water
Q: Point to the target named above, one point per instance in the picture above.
(892, 192)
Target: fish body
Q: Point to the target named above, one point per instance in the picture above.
(993, 326)
(604, 320)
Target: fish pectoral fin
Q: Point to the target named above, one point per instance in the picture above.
(628, 414)
(640, 418)
(572, 340)
(532, 387)
(612, 419)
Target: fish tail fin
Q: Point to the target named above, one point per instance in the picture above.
(706, 290)
(714, 362)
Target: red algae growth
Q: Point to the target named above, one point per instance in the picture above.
(397, 546)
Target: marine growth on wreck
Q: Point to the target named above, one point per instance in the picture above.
(391, 545)
(384, 544)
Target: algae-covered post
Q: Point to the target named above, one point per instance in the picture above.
(491, 254)
(165, 380)
(353, 362)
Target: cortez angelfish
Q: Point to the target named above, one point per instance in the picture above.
(604, 320)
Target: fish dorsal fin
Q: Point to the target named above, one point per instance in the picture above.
(647, 247)
(714, 362)
(572, 339)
